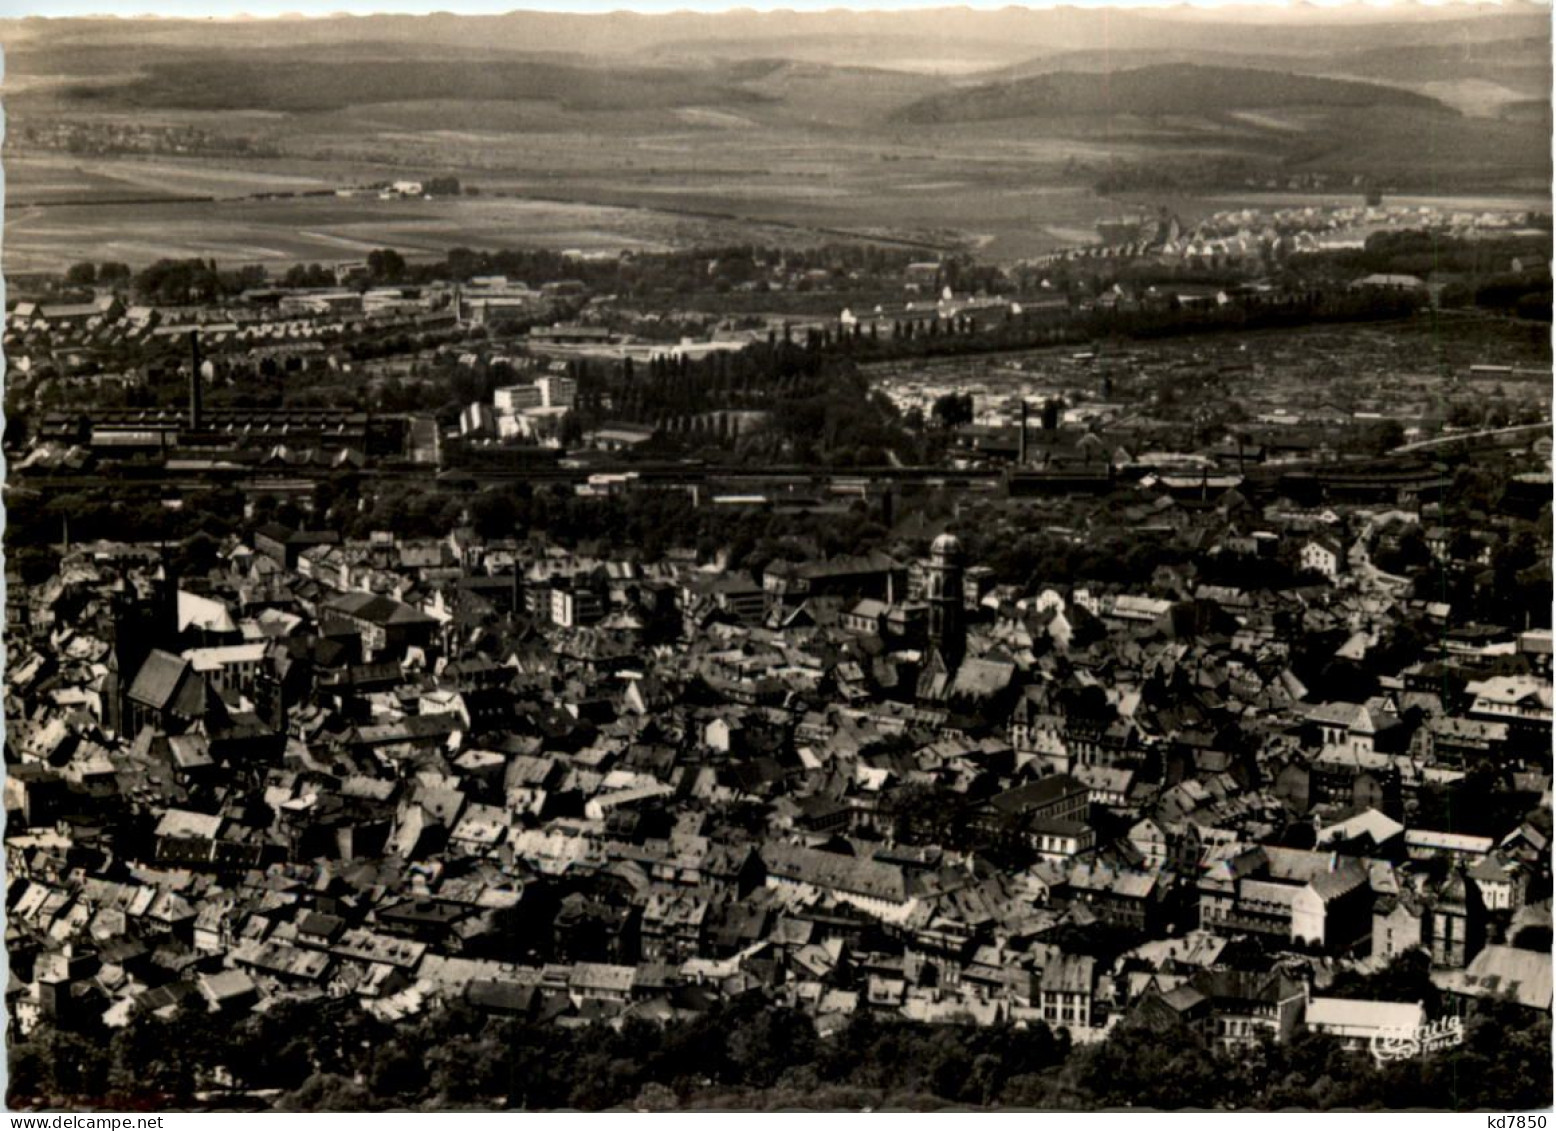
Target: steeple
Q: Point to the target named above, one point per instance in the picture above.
(947, 630)
(196, 415)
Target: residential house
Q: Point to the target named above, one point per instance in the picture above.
(1248, 1008)
(1501, 972)
(388, 628)
(1052, 811)
(1067, 990)
(1322, 556)
(1318, 899)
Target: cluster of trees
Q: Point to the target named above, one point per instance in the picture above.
(37, 523)
(1023, 556)
(1417, 252)
(385, 265)
(1051, 325)
(180, 282)
(648, 524)
(645, 525)
(817, 406)
(330, 1055)
(746, 1054)
(1514, 590)
(1407, 978)
(951, 410)
(675, 272)
(1509, 275)
(1163, 175)
(105, 274)
(1144, 1067)
(442, 186)
(1521, 294)
(100, 138)
(641, 273)
(1514, 587)
(819, 376)
(309, 276)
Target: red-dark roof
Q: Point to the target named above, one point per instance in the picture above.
(376, 609)
(167, 683)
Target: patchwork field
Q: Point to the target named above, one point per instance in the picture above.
(280, 232)
(554, 190)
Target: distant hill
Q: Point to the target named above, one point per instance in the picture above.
(1420, 61)
(908, 39)
(1523, 64)
(1174, 89)
(296, 83)
(954, 54)
(1113, 60)
(1532, 110)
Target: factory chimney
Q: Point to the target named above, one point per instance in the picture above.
(1021, 446)
(196, 421)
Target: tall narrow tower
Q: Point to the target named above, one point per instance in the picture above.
(196, 418)
(947, 630)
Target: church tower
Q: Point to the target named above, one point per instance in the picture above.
(196, 382)
(943, 590)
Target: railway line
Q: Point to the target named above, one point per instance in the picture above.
(466, 479)
(1485, 438)
(1400, 470)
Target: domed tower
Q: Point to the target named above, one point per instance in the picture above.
(943, 590)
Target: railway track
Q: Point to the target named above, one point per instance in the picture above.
(709, 478)
(459, 478)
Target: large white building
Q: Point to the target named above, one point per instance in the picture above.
(514, 399)
(556, 391)
(549, 391)
(533, 412)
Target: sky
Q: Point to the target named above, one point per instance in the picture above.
(270, 8)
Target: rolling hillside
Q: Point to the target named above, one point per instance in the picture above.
(1175, 89)
(291, 84)
(907, 39)
(1521, 66)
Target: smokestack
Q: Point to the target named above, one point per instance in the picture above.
(195, 418)
(1021, 447)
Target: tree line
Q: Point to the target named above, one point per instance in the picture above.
(747, 1053)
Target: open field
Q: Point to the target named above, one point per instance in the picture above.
(281, 232)
(1004, 206)
(558, 190)
(49, 179)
